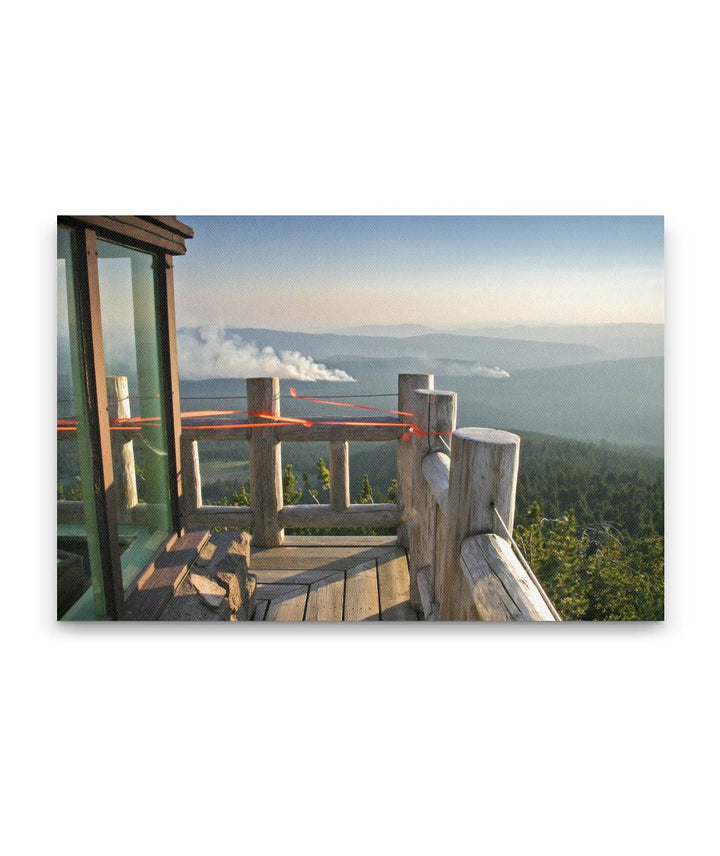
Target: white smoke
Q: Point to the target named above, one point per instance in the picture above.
(215, 355)
(479, 370)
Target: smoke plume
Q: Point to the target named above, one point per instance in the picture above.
(214, 355)
(470, 370)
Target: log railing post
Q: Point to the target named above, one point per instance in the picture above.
(123, 457)
(339, 475)
(434, 421)
(265, 464)
(407, 384)
(483, 473)
(191, 479)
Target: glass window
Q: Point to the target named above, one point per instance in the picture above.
(134, 376)
(80, 593)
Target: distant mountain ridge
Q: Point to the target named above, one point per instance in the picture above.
(508, 354)
(632, 339)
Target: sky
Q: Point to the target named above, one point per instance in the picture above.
(326, 273)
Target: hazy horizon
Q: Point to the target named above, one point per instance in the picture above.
(323, 274)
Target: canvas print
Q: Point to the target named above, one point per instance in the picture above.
(360, 418)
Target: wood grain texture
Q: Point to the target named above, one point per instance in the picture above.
(436, 470)
(425, 591)
(394, 588)
(237, 516)
(435, 417)
(265, 464)
(483, 470)
(288, 607)
(340, 540)
(325, 599)
(383, 514)
(501, 588)
(362, 429)
(361, 593)
(157, 584)
(407, 384)
(191, 480)
(339, 475)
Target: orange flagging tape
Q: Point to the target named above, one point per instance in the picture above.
(293, 393)
(286, 422)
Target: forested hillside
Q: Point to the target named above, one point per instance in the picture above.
(589, 518)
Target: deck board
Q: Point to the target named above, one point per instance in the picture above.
(289, 606)
(361, 593)
(394, 585)
(325, 599)
(327, 579)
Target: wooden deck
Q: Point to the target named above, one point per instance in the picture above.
(330, 579)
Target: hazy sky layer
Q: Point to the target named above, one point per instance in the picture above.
(322, 273)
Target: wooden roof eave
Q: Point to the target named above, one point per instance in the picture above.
(153, 232)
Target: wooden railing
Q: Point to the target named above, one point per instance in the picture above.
(463, 563)
(267, 515)
(455, 502)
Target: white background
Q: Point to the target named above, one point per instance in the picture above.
(566, 739)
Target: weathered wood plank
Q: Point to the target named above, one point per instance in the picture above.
(501, 588)
(287, 607)
(361, 593)
(159, 581)
(308, 558)
(483, 471)
(265, 464)
(341, 540)
(269, 591)
(305, 577)
(339, 475)
(325, 599)
(383, 514)
(436, 470)
(435, 416)
(394, 586)
(361, 429)
(407, 384)
(425, 591)
(220, 515)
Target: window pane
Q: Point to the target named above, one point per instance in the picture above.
(80, 592)
(134, 375)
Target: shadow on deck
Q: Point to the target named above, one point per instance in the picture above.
(331, 578)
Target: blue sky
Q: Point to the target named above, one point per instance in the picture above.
(323, 273)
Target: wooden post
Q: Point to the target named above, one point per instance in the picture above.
(265, 464)
(483, 471)
(435, 418)
(339, 475)
(407, 384)
(191, 479)
(123, 457)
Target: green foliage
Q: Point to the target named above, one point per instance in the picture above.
(76, 492)
(312, 491)
(323, 475)
(594, 572)
(60, 493)
(600, 482)
(291, 493)
(239, 497)
(365, 497)
(392, 491)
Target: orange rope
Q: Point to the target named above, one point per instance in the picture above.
(293, 393)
